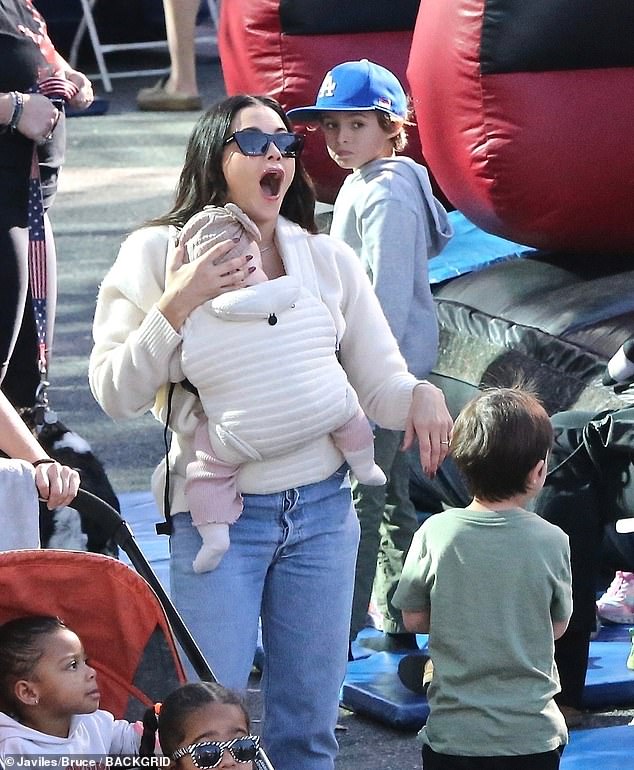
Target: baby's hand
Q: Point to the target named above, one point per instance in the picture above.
(215, 544)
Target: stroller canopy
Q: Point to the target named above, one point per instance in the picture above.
(114, 612)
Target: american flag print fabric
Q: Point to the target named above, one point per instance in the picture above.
(54, 88)
(37, 259)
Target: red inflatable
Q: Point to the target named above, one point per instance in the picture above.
(525, 112)
(285, 47)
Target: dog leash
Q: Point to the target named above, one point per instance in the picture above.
(58, 90)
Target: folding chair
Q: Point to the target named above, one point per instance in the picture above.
(88, 23)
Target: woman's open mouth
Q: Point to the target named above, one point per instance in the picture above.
(271, 182)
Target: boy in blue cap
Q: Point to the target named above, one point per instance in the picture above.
(387, 213)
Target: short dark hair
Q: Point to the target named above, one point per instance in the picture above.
(498, 438)
(180, 703)
(21, 647)
(202, 181)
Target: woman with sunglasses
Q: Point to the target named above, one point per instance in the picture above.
(293, 549)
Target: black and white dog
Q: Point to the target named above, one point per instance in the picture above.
(66, 528)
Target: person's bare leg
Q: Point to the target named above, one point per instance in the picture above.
(179, 91)
(180, 22)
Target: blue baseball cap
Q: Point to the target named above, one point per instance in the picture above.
(355, 86)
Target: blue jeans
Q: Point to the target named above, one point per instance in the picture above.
(291, 561)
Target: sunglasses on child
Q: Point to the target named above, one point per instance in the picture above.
(252, 141)
(209, 753)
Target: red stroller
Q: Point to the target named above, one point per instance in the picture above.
(127, 622)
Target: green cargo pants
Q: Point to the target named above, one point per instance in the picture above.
(388, 522)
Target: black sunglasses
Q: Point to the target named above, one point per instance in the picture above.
(252, 141)
(209, 753)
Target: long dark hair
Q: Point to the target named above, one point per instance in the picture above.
(202, 181)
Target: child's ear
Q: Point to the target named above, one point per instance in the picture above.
(537, 475)
(395, 128)
(26, 692)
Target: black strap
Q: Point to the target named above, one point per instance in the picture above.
(189, 387)
(165, 527)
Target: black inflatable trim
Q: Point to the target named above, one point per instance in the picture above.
(538, 322)
(333, 17)
(544, 35)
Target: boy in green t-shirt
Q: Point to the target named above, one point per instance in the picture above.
(490, 583)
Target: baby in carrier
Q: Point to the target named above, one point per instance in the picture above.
(271, 331)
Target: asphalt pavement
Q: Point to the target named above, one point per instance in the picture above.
(121, 169)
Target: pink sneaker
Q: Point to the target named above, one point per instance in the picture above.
(617, 603)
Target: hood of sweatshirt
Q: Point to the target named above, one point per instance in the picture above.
(442, 231)
(11, 728)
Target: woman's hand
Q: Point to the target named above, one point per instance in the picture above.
(189, 284)
(84, 96)
(56, 484)
(39, 117)
(430, 422)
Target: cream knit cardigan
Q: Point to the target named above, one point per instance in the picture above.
(133, 359)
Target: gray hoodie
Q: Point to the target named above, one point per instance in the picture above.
(387, 212)
(97, 733)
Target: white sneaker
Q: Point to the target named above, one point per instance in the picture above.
(617, 603)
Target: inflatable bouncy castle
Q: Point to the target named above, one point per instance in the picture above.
(523, 114)
(525, 111)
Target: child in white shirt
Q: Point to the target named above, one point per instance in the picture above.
(49, 695)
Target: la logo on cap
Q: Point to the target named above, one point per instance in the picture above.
(327, 87)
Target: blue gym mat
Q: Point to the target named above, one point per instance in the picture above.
(608, 681)
(372, 687)
(602, 748)
(471, 249)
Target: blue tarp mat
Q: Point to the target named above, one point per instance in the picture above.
(608, 681)
(372, 687)
(471, 249)
(602, 748)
